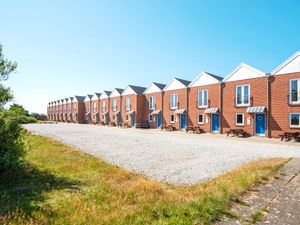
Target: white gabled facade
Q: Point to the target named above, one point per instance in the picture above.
(174, 84)
(204, 79)
(114, 93)
(244, 72)
(128, 91)
(291, 65)
(153, 88)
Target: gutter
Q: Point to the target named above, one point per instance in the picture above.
(268, 104)
(221, 107)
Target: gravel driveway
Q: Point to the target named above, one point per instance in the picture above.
(170, 157)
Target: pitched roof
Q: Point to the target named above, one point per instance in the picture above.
(183, 83)
(205, 78)
(79, 98)
(215, 76)
(243, 72)
(161, 86)
(292, 64)
(154, 87)
(107, 92)
(137, 89)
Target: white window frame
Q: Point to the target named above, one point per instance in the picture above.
(152, 102)
(174, 104)
(103, 106)
(202, 118)
(127, 104)
(242, 95)
(127, 117)
(114, 105)
(87, 107)
(94, 107)
(202, 104)
(74, 107)
(172, 121)
(150, 118)
(290, 91)
(239, 124)
(290, 120)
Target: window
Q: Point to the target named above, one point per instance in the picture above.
(152, 102)
(295, 91)
(173, 101)
(239, 119)
(200, 118)
(86, 107)
(295, 120)
(203, 98)
(103, 118)
(95, 107)
(127, 104)
(127, 117)
(69, 107)
(243, 95)
(114, 117)
(74, 107)
(150, 117)
(114, 105)
(103, 106)
(172, 118)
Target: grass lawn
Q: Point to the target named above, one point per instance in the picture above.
(61, 185)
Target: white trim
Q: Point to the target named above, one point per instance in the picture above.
(154, 100)
(202, 106)
(298, 94)
(290, 120)
(114, 93)
(277, 70)
(243, 65)
(87, 98)
(153, 88)
(239, 124)
(128, 91)
(150, 115)
(249, 95)
(210, 80)
(171, 100)
(179, 85)
(202, 118)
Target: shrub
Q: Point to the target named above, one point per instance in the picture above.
(12, 144)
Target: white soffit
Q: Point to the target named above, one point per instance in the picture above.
(87, 98)
(203, 79)
(114, 93)
(128, 91)
(291, 65)
(95, 97)
(153, 88)
(244, 72)
(174, 85)
(103, 95)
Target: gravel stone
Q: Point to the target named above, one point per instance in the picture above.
(173, 157)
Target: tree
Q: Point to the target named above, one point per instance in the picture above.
(6, 67)
(12, 145)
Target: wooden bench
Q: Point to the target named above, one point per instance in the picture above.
(196, 130)
(169, 128)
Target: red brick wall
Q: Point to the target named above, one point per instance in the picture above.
(166, 107)
(258, 94)
(111, 113)
(214, 102)
(158, 106)
(280, 107)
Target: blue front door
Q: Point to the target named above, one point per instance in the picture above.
(182, 121)
(132, 119)
(260, 125)
(215, 123)
(119, 119)
(158, 121)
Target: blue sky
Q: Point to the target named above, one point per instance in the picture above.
(65, 47)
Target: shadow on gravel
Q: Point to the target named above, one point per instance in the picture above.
(23, 190)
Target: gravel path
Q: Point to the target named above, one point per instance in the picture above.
(173, 157)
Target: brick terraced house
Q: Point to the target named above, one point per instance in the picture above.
(175, 98)
(154, 105)
(133, 104)
(285, 97)
(245, 100)
(88, 109)
(115, 102)
(95, 101)
(204, 106)
(104, 105)
(261, 104)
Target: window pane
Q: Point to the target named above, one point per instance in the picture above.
(294, 90)
(200, 98)
(200, 118)
(295, 119)
(239, 118)
(238, 95)
(246, 94)
(205, 103)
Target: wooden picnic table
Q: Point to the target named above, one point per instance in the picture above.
(237, 132)
(169, 128)
(196, 129)
(287, 136)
